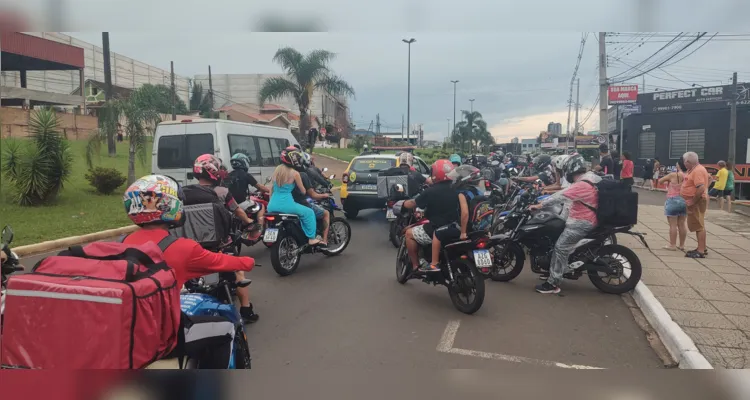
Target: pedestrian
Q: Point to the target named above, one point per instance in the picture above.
(606, 164)
(618, 164)
(648, 173)
(728, 189)
(693, 190)
(655, 179)
(719, 189)
(626, 174)
(675, 208)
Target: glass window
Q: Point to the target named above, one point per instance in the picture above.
(170, 152)
(367, 164)
(266, 155)
(422, 167)
(198, 145)
(282, 143)
(244, 144)
(276, 151)
(680, 142)
(647, 145)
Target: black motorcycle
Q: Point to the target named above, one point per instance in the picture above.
(290, 242)
(538, 232)
(398, 221)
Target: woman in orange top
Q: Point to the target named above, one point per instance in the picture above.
(626, 174)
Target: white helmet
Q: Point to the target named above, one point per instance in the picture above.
(559, 161)
(406, 158)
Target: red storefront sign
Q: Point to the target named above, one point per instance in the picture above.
(623, 94)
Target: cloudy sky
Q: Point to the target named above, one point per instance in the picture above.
(519, 76)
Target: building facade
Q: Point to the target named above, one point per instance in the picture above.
(554, 128)
(529, 145)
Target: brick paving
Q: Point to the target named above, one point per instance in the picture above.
(708, 298)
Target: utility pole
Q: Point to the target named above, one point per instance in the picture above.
(402, 126)
(377, 124)
(644, 83)
(733, 123)
(408, 88)
(472, 104)
(211, 90)
(603, 86)
(578, 105)
(111, 146)
(454, 112)
(174, 94)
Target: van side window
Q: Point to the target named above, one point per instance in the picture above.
(180, 151)
(282, 144)
(266, 153)
(198, 145)
(244, 144)
(276, 151)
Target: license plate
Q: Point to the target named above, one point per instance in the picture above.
(368, 187)
(389, 214)
(482, 258)
(270, 235)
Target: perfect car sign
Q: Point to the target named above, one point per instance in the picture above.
(623, 94)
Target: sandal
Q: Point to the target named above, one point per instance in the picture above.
(670, 248)
(694, 254)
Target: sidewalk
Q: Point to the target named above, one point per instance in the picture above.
(708, 298)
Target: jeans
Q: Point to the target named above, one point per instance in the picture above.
(575, 230)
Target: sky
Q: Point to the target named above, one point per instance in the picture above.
(519, 77)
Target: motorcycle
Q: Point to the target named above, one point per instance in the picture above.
(399, 221)
(200, 297)
(290, 242)
(9, 266)
(458, 268)
(538, 232)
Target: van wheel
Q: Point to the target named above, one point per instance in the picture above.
(351, 213)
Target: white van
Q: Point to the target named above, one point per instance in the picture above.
(178, 143)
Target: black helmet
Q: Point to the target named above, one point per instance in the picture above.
(574, 166)
(542, 162)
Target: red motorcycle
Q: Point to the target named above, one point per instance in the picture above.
(253, 234)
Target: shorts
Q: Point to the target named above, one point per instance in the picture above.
(726, 192)
(448, 233)
(627, 181)
(422, 234)
(675, 207)
(719, 193)
(318, 210)
(696, 214)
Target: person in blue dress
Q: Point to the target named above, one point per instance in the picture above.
(285, 180)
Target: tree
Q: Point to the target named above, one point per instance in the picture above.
(39, 168)
(304, 74)
(140, 114)
(473, 129)
(160, 98)
(201, 102)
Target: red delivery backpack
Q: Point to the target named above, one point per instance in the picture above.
(103, 306)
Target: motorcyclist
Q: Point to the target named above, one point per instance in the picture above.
(441, 203)
(155, 203)
(582, 199)
(313, 172)
(210, 172)
(240, 180)
(321, 214)
(455, 159)
(558, 163)
(406, 162)
(543, 171)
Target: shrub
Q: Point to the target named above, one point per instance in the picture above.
(38, 168)
(105, 180)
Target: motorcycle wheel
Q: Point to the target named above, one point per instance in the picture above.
(393, 234)
(466, 276)
(403, 264)
(515, 257)
(281, 252)
(242, 359)
(611, 239)
(339, 236)
(615, 253)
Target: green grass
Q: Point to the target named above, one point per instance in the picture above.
(78, 209)
(341, 154)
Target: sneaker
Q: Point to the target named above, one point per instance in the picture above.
(547, 288)
(427, 267)
(248, 315)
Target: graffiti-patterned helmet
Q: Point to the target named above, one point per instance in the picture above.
(155, 199)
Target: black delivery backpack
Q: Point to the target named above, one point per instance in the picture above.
(618, 203)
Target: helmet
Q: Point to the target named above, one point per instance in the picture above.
(240, 161)
(573, 167)
(455, 158)
(208, 166)
(559, 161)
(306, 160)
(465, 174)
(154, 199)
(440, 170)
(498, 156)
(406, 158)
(291, 157)
(541, 162)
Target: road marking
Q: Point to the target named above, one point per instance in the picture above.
(449, 337)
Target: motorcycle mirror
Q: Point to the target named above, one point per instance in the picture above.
(7, 234)
(325, 169)
(539, 182)
(332, 176)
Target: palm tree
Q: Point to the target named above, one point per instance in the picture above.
(140, 114)
(304, 74)
(472, 129)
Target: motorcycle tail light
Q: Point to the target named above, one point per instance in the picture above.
(270, 218)
(345, 178)
(482, 244)
(487, 185)
(485, 270)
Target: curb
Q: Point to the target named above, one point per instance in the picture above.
(23, 251)
(677, 342)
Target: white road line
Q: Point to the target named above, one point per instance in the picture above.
(449, 337)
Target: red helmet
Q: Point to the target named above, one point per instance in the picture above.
(440, 170)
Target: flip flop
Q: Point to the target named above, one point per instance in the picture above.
(669, 248)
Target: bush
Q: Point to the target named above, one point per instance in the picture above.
(38, 168)
(105, 180)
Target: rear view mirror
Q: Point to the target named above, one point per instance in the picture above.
(325, 169)
(7, 235)
(332, 176)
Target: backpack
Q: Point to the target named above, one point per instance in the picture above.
(618, 203)
(237, 186)
(480, 213)
(102, 306)
(207, 220)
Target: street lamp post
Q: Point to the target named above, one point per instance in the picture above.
(408, 89)
(454, 112)
(472, 104)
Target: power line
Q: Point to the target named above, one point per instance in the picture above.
(652, 55)
(663, 62)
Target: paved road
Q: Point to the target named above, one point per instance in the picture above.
(349, 311)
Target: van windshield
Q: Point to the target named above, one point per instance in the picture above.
(366, 164)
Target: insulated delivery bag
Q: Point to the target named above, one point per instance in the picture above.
(103, 306)
(207, 221)
(618, 203)
(393, 176)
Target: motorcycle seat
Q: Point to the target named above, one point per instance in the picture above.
(283, 215)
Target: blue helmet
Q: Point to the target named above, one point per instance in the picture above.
(455, 158)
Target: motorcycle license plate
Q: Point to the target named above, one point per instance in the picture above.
(271, 235)
(368, 187)
(390, 215)
(482, 258)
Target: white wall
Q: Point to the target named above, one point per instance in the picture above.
(126, 72)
